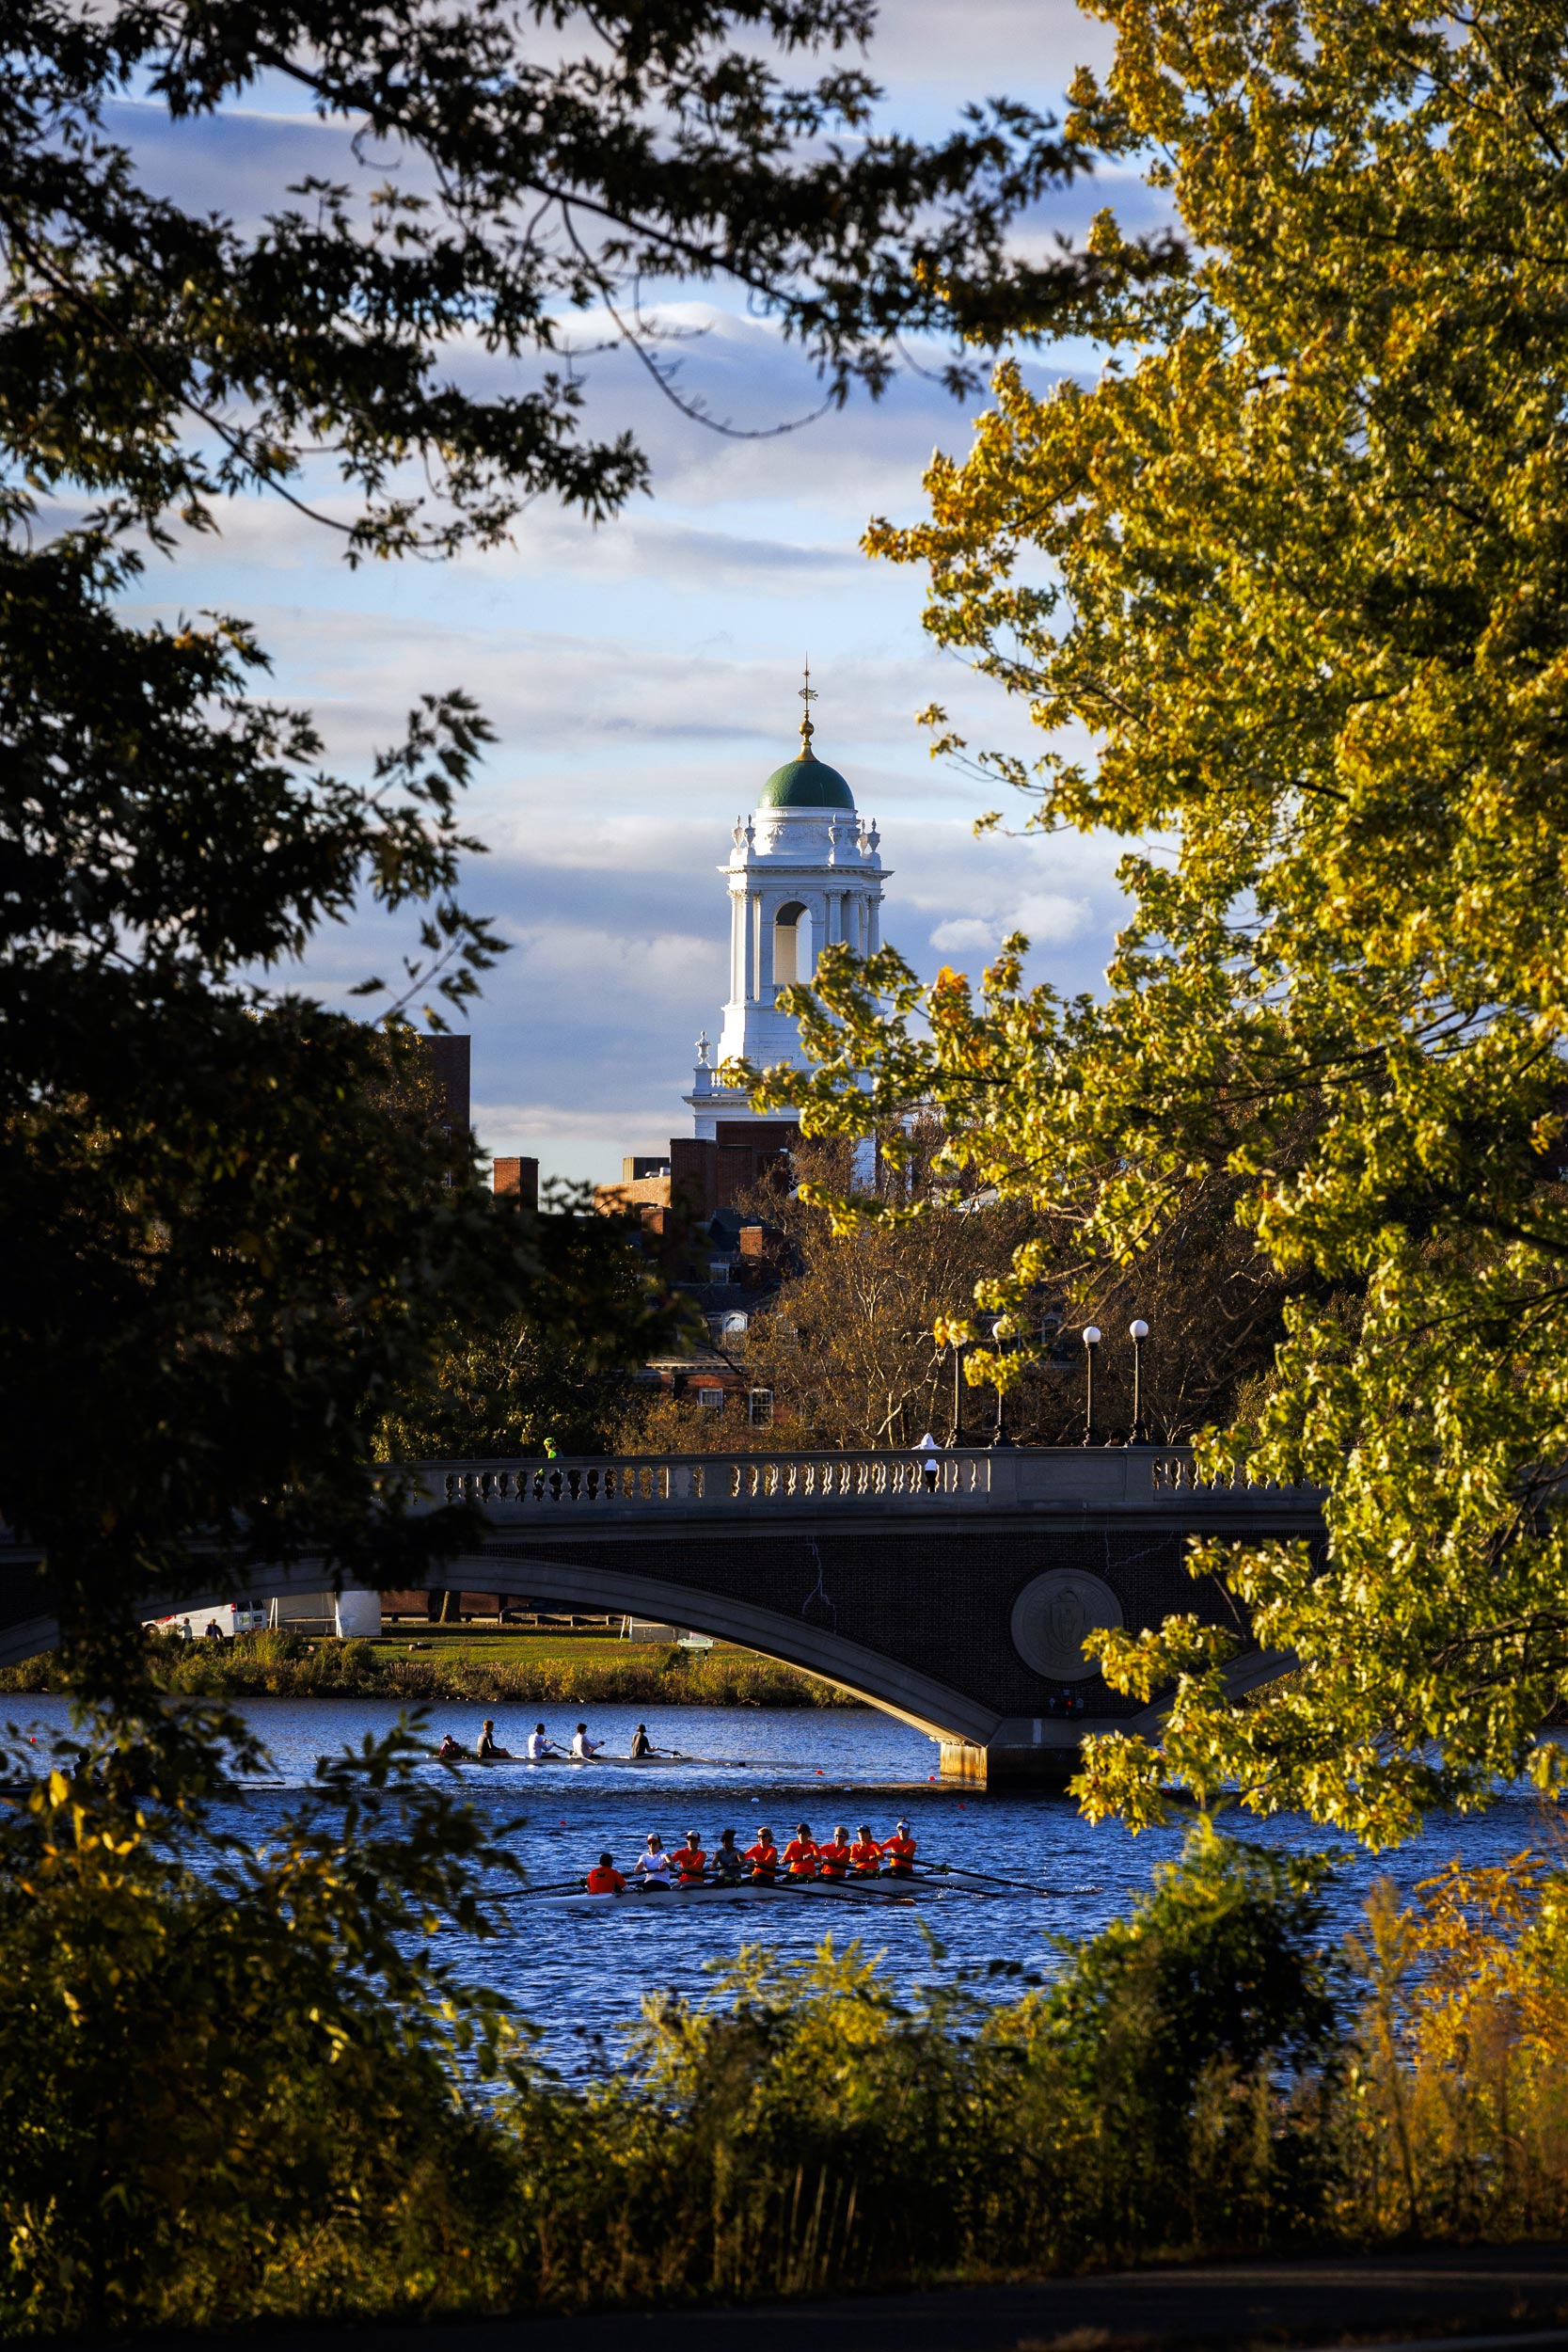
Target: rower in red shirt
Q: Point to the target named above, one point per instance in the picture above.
(605, 1879)
(832, 1862)
(801, 1854)
(899, 1850)
(689, 1860)
(763, 1859)
(865, 1854)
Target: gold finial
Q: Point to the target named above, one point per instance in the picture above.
(808, 695)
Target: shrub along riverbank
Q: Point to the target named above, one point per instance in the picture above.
(238, 2085)
(545, 1670)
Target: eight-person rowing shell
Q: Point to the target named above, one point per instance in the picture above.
(805, 1864)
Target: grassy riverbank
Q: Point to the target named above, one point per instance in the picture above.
(444, 1663)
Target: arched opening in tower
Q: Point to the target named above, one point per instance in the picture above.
(792, 956)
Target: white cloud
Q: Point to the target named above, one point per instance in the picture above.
(953, 939)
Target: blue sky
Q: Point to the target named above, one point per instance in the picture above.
(643, 677)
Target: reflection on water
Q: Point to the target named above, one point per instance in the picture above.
(581, 1976)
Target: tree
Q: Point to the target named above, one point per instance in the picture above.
(502, 1382)
(234, 1246)
(1296, 561)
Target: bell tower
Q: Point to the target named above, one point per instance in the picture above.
(804, 871)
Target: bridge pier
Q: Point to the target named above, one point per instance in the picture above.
(1029, 1752)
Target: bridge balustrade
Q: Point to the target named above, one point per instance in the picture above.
(647, 1487)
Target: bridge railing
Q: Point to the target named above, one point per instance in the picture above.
(646, 1486)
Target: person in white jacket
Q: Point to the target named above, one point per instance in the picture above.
(583, 1748)
(654, 1869)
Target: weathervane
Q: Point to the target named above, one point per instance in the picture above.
(808, 695)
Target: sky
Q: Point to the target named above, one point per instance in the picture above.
(642, 677)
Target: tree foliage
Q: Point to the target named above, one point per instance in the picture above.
(236, 1244)
(232, 2071)
(1294, 562)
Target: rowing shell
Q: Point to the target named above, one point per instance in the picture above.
(681, 1897)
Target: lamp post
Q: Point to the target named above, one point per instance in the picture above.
(1138, 1331)
(1000, 1333)
(1091, 1341)
(958, 1437)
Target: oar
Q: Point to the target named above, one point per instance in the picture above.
(959, 1869)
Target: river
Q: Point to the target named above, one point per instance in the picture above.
(580, 1977)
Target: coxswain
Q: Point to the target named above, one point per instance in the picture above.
(865, 1854)
(641, 1743)
(486, 1749)
(583, 1748)
(450, 1748)
(541, 1747)
(689, 1860)
(832, 1861)
(763, 1859)
(605, 1879)
(652, 1868)
(801, 1854)
(899, 1850)
(729, 1864)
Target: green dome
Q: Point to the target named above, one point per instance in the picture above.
(805, 783)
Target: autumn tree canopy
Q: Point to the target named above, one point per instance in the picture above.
(1296, 561)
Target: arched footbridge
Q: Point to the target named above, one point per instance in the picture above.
(956, 1594)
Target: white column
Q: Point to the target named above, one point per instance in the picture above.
(738, 948)
(874, 911)
(754, 947)
(765, 949)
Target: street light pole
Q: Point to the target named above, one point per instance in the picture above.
(1091, 1341)
(1138, 1331)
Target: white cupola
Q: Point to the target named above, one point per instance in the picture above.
(804, 871)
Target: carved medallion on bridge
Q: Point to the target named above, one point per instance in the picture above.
(1051, 1615)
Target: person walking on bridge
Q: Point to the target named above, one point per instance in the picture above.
(928, 1454)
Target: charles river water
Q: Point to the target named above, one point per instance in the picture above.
(580, 1977)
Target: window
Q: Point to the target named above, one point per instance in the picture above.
(720, 1270)
(790, 964)
(759, 1408)
(712, 1398)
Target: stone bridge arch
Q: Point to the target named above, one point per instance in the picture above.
(951, 1596)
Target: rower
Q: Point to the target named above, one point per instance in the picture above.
(763, 1859)
(689, 1860)
(801, 1854)
(450, 1748)
(641, 1743)
(899, 1850)
(541, 1746)
(583, 1748)
(832, 1861)
(486, 1750)
(605, 1879)
(865, 1854)
(728, 1866)
(654, 1868)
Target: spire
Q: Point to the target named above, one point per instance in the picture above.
(808, 695)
